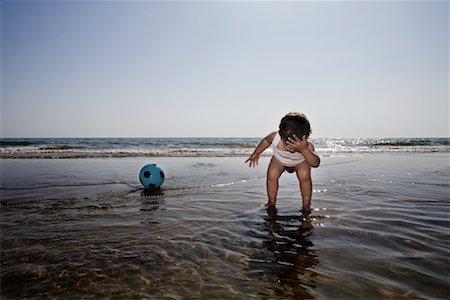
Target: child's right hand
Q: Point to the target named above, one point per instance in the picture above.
(253, 160)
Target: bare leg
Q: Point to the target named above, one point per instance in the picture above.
(274, 172)
(303, 171)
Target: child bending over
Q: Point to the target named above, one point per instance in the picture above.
(292, 152)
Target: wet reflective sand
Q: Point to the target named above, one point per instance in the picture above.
(83, 228)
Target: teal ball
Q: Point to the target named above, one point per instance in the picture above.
(152, 176)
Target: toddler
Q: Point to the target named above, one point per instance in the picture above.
(292, 152)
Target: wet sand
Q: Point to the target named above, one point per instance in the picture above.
(82, 228)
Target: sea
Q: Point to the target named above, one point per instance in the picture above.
(198, 147)
(76, 223)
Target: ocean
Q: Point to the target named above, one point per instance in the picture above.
(198, 147)
(76, 223)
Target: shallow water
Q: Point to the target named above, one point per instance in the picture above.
(82, 228)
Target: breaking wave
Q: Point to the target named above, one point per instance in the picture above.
(199, 147)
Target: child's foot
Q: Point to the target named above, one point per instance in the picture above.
(306, 209)
(271, 209)
(269, 204)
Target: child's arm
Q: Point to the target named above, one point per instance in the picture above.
(263, 145)
(304, 147)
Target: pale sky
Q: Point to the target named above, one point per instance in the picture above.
(232, 69)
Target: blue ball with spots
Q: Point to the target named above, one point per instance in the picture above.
(151, 176)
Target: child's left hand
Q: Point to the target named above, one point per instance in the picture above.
(296, 144)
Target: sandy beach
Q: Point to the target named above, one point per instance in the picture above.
(82, 228)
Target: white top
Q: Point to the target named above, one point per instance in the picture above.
(286, 158)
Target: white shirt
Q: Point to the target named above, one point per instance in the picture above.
(286, 158)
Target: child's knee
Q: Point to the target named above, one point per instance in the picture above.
(273, 174)
(304, 175)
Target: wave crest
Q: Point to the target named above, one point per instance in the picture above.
(199, 147)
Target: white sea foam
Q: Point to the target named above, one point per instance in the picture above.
(200, 147)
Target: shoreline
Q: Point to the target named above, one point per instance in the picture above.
(201, 147)
(194, 153)
(113, 172)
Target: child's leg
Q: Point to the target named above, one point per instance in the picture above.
(274, 172)
(303, 171)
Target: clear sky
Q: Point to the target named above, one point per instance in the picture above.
(152, 69)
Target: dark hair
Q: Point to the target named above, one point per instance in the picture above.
(294, 123)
